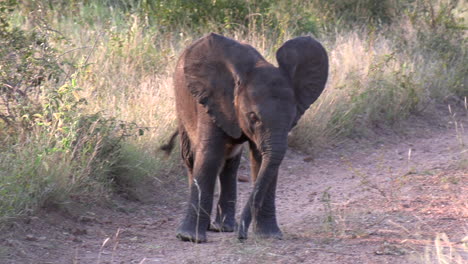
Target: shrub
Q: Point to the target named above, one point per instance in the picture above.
(52, 150)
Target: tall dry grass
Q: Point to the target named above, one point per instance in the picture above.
(370, 85)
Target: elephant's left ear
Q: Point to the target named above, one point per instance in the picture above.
(305, 61)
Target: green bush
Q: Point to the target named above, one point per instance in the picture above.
(63, 154)
(359, 13)
(440, 36)
(52, 150)
(198, 16)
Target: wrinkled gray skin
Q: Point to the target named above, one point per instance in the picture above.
(226, 94)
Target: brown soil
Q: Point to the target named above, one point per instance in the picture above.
(382, 201)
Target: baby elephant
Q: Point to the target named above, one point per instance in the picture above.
(227, 94)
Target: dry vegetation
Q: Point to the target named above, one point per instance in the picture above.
(86, 86)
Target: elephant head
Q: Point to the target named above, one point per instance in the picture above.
(250, 99)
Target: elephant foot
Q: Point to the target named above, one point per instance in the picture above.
(267, 229)
(242, 231)
(222, 227)
(263, 230)
(189, 231)
(276, 234)
(189, 235)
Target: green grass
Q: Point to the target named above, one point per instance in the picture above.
(42, 172)
(116, 58)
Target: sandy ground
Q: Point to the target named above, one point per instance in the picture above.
(382, 201)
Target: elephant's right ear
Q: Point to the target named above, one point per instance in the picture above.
(213, 67)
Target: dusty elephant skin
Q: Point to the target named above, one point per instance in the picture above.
(227, 94)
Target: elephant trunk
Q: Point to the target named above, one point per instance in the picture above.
(265, 186)
(261, 204)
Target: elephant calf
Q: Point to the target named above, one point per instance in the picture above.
(227, 94)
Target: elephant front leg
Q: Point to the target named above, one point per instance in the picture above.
(226, 209)
(262, 214)
(260, 208)
(197, 218)
(265, 224)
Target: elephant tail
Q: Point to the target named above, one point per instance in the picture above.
(167, 148)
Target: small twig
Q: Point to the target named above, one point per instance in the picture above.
(69, 51)
(114, 249)
(400, 226)
(5, 119)
(331, 251)
(376, 223)
(102, 247)
(92, 49)
(48, 28)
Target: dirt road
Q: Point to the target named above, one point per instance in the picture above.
(366, 202)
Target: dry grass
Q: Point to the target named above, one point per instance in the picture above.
(370, 85)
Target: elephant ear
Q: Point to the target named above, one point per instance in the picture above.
(305, 61)
(214, 66)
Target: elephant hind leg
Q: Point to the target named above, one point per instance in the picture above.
(187, 154)
(226, 208)
(207, 163)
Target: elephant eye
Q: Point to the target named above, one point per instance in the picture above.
(253, 118)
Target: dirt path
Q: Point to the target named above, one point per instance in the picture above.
(374, 202)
